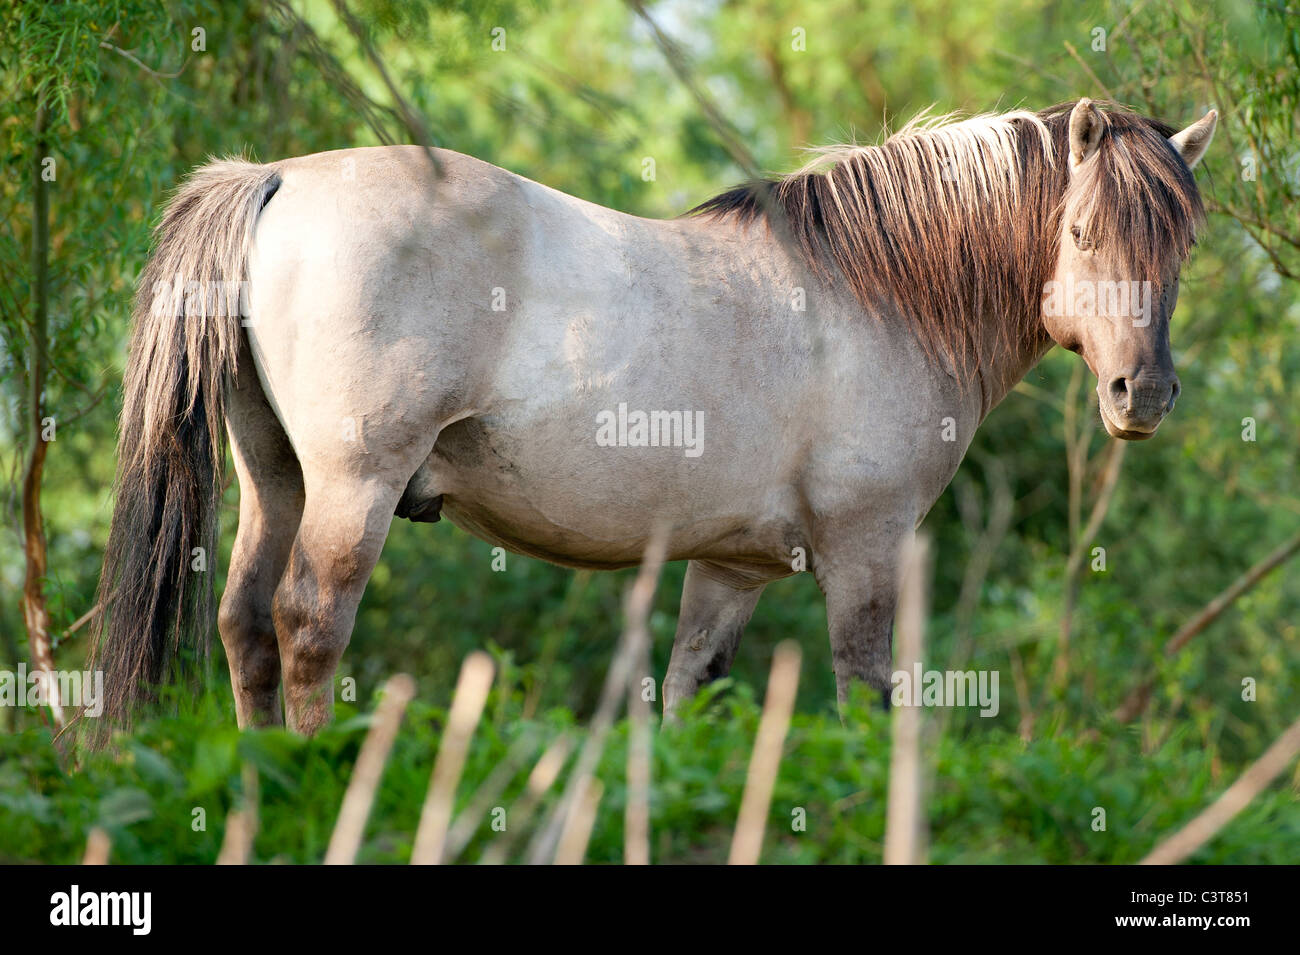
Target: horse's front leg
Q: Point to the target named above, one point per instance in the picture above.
(709, 627)
(860, 581)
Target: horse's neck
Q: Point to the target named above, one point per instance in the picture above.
(1001, 367)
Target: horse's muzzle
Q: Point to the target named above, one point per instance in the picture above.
(1132, 408)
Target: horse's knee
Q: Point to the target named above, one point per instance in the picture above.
(705, 653)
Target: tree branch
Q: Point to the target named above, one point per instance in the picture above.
(1234, 799)
(156, 74)
(1140, 696)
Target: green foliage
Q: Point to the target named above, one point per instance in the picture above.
(994, 797)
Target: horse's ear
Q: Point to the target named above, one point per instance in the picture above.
(1193, 141)
(1086, 128)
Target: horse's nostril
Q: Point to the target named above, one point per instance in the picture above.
(1119, 393)
(1143, 398)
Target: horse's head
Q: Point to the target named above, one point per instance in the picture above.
(1128, 219)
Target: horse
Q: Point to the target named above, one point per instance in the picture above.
(786, 378)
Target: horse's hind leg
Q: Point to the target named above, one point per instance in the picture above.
(709, 627)
(270, 503)
(344, 523)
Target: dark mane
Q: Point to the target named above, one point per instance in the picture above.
(955, 224)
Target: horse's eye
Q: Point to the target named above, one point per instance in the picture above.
(1082, 244)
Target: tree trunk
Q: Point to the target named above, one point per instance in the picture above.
(35, 612)
(10, 716)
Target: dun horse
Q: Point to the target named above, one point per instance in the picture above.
(794, 370)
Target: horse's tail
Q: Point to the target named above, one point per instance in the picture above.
(155, 593)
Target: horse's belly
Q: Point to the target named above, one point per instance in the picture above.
(548, 492)
(513, 525)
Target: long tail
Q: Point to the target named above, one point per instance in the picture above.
(155, 592)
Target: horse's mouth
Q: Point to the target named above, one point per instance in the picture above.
(1124, 434)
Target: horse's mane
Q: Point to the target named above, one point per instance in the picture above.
(955, 222)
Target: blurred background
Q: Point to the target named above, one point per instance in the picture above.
(126, 97)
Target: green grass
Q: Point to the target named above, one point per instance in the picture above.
(993, 798)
